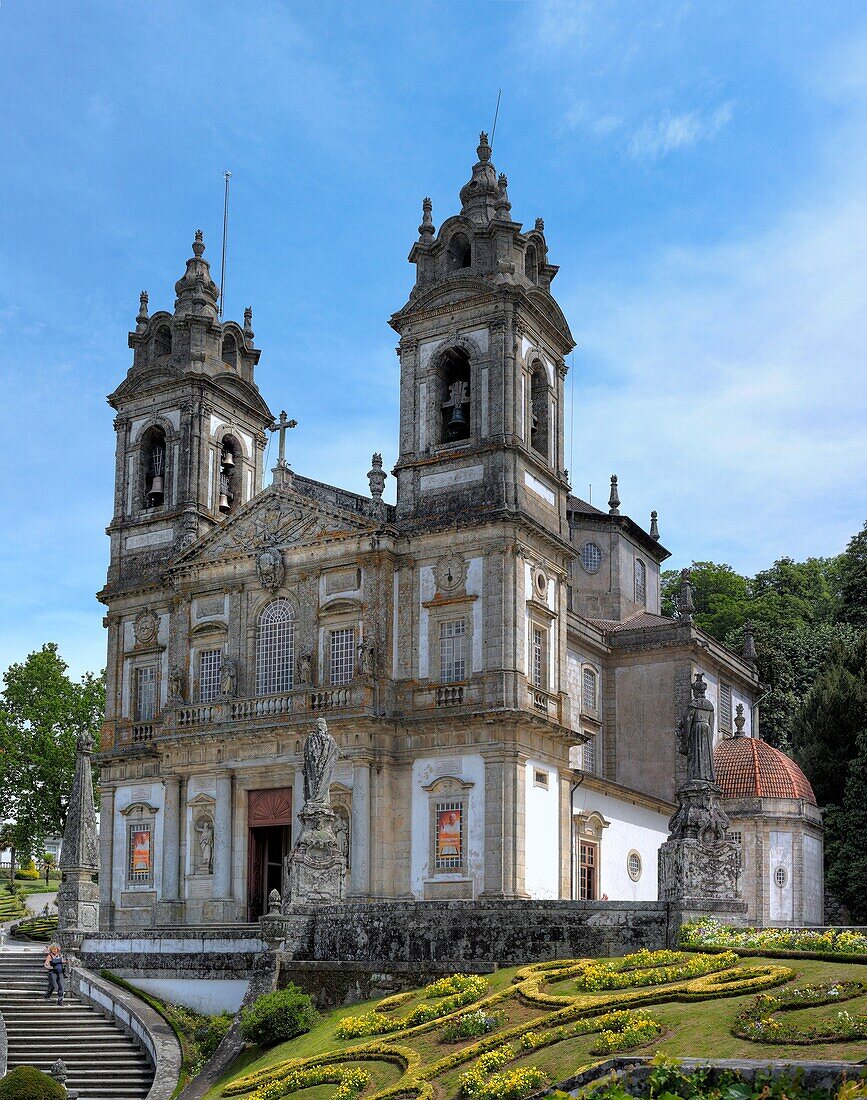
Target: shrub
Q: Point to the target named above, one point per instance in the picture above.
(27, 874)
(276, 1017)
(28, 1083)
(471, 1024)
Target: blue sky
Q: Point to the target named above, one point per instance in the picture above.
(700, 168)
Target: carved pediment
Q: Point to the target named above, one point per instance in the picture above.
(274, 521)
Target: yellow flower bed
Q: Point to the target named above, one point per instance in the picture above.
(619, 1021)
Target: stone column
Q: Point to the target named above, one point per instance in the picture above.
(493, 824)
(106, 857)
(223, 837)
(565, 778)
(171, 837)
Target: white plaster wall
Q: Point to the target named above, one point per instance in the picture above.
(205, 995)
(124, 796)
(470, 768)
(542, 832)
(813, 880)
(630, 827)
(780, 855)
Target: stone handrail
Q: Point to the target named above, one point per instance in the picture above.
(140, 1022)
(4, 1046)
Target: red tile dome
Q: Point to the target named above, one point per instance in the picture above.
(747, 767)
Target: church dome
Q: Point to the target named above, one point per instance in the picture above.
(747, 767)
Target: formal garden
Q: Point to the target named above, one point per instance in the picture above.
(525, 1030)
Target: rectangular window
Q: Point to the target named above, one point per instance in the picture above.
(449, 839)
(588, 689)
(725, 707)
(145, 693)
(640, 581)
(210, 670)
(342, 662)
(737, 839)
(588, 755)
(140, 852)
(588, 860)
(540, 659)
(540, 778)
(452, 663)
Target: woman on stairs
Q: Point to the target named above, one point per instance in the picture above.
(54, 965)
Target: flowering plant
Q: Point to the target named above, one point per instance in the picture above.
(707, 932)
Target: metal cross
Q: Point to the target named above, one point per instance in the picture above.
(281, 426)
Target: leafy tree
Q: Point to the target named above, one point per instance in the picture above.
(48, 862)
(853, 580)
(719, 594)
(42, 714)
(792, 594)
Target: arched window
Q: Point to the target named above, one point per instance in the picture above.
(153, 467)
(455, 396)
(460, 254)
(162, 341)
(640, 581)
(275, 649)
(539, 409)
(230, 352)
(531, 264)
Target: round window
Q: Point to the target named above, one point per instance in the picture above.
(541, 582)
(781, 877)
(633, 865)
(591, 557)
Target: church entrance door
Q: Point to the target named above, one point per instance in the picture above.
(269, 819)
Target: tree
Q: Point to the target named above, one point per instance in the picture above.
(48, 862)
(42, 714)
(719, 594)
(853, 580)
(825, 735)
(845, 829)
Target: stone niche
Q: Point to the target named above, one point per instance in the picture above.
(200, 830)
(448, 877)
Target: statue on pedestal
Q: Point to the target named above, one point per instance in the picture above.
(698, 864)
(316, 870)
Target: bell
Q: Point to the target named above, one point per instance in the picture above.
(156, 489)
(224, 502)
(458, 425)
(227, 460)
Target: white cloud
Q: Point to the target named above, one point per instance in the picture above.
(663, 135)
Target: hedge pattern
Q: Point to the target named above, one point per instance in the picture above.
(494, 1067)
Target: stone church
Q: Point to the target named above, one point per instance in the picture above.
(488, 653)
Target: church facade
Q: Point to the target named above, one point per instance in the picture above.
(488, 653)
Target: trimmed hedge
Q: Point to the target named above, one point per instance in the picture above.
(275, 1017)
(29, 1083)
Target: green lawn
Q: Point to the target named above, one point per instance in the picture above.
(696, 1028)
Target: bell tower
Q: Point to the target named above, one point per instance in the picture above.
(190, 427)
(482, 362)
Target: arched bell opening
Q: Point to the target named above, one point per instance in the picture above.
(455, 396)
(539, 409)
(229, 473)
(460, 253)
(230, 352)
(531, 264)
(162, 342)
(153, 466)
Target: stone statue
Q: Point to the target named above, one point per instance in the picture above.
(365, 658)
(205, 830)
(305, 669)
(176, 684)
(270, 568)
(341, 832)
(84, 742)
(229, 678)
(695, 734)
(320, 758)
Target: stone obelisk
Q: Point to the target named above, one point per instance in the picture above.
(78, 896)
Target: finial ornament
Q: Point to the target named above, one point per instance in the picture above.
(376, 477)
(740, 721)
(540, 225)
(614, 498)
(199, 244)
(484, 150)
(142, 316)
(426, 229)
(654, 526)
(685, 605)
(749, 651)
(248, 323)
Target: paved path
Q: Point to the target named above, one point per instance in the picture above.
(36, 902)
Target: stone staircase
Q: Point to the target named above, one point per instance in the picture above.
(102, 1062)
